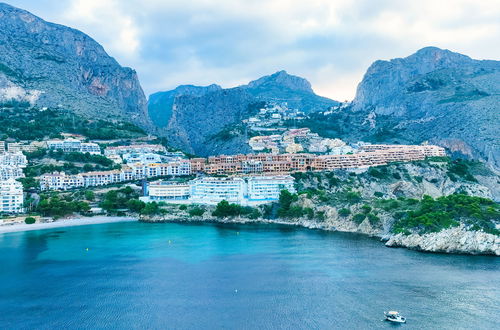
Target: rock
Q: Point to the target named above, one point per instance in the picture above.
(51, 65)
(435, 95)
(193, 117)
(452, 240)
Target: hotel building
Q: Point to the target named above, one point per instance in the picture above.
(11, 196)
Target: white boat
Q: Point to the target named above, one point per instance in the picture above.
(394, 316)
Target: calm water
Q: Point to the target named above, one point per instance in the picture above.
(154, 276)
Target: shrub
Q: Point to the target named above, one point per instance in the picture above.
(366, 209)
(358, 218)
(136, 205)
(29, 220)
(183, 207)
(196, 211)
(374, 220)
(344, 212)
(396, 176)
(378, 194)
(151, 209)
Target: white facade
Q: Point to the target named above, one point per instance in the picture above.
(62, 181)
(244, 191)
(11, 165)
(74, 145)
(11, 196)
(135, 148)
(13, 159)
(268, 188)
(212, 190)
(168, 191)
(142, 158)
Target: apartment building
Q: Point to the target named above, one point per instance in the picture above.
(11, 196)
(240, 190)
(212, 190)
(167, 191)
(11, 165)
(13, 159)
(135, 148)
(74, 145)
(268, 188)
(142, 158)
(63, 181)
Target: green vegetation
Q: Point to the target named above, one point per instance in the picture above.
(196, 211)
(59, 206)
(35, 124)
(433, 215)
(117, 200)
(225, 209)
(344, 212)
(29, 220)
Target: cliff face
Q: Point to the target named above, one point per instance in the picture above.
(435, 95)
(196, 122)
(50, 65)
(190, 116)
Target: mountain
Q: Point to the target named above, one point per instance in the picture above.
(434, 95)
(160, 104)
(204, 120)
(51, 65)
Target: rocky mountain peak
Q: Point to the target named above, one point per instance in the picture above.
(51, 65)
(282, 79)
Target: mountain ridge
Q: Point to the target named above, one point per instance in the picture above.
(52, 65)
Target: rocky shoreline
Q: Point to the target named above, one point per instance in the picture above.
(457, 240)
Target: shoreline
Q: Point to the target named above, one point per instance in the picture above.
(424, 244)
(69, 222)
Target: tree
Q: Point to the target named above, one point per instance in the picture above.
(197, 211)
(344, 212)
(89, 195)
(29, 220)
(136, 205)
(151, 209)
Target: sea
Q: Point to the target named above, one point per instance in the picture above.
(134, 275)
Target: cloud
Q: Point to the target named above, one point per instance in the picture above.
(229, 42)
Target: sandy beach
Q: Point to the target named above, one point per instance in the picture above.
(63, 223)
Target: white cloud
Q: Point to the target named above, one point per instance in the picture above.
(229, 42)
(108, 23)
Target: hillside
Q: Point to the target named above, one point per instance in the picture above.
(191, 117)
(433, 95)
(50, 65)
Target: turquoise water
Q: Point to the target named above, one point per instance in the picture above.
(158, 276)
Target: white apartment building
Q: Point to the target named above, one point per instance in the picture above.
(142, 158)
(135, 148)
(168, 191)
(10, 172)
(63, 181)
(13, 159)
(11, 196)
(11, 165)
(239, 190)
(74, 145)
(212, 190)
(268, 188)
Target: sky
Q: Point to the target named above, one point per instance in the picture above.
(231, 42)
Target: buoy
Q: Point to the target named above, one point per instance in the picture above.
(237, 233)
(236, 291)
(169, 242)
(86, 249)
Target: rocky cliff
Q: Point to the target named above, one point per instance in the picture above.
(51, 65)
(434, 95)
(194, 118)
